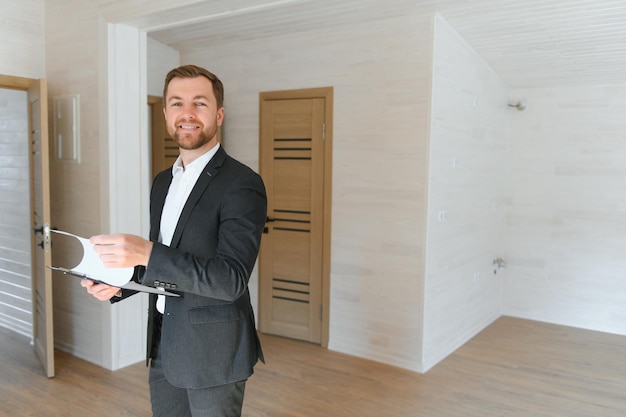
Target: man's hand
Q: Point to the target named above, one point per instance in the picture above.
(122, 251)
(102, 292)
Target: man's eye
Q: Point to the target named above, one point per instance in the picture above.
(175, 104)
(200, 104)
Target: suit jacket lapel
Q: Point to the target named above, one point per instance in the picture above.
(156, 206)
(209, 172)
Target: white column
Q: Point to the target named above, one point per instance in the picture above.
(128, 178)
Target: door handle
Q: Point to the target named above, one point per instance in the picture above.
(45, 232)
(37, 230)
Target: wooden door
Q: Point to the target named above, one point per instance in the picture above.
(164, 148)
(294, 259)
(40, 208)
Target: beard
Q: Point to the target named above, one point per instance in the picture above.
(191, 141)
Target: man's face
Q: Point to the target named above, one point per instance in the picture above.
(191, 113)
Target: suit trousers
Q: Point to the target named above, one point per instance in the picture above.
(170, 401)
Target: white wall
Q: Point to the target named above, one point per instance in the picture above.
(161, 59)
(566, 217)
(468, 148)
(15, 239)
(380, 72)
(72, 31)
(22, 34)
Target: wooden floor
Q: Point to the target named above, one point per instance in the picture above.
(513, 368)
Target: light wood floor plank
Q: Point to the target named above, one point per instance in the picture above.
(514, 368)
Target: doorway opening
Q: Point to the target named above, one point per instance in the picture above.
(15, 240)
(38, 213)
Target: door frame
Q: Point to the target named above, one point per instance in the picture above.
(327, 94)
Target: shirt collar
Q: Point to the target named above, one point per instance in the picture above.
(197, 163)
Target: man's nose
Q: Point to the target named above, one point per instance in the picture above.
(189, 111)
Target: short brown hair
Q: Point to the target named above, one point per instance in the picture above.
(192, 71)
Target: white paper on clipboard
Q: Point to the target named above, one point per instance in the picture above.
(91, 267)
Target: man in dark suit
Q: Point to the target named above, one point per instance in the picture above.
(207, 215)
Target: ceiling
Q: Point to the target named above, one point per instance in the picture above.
(529, 43)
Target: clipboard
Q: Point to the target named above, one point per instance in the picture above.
(90, 267)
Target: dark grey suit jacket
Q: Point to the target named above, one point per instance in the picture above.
(208, 335)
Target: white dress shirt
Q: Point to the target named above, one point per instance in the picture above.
(183, 180)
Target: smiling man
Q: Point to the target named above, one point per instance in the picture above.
(206, 218)
(193, 112)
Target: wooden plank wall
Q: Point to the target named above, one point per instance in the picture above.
(15, 237)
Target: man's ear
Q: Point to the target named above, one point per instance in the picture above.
(220, 116)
